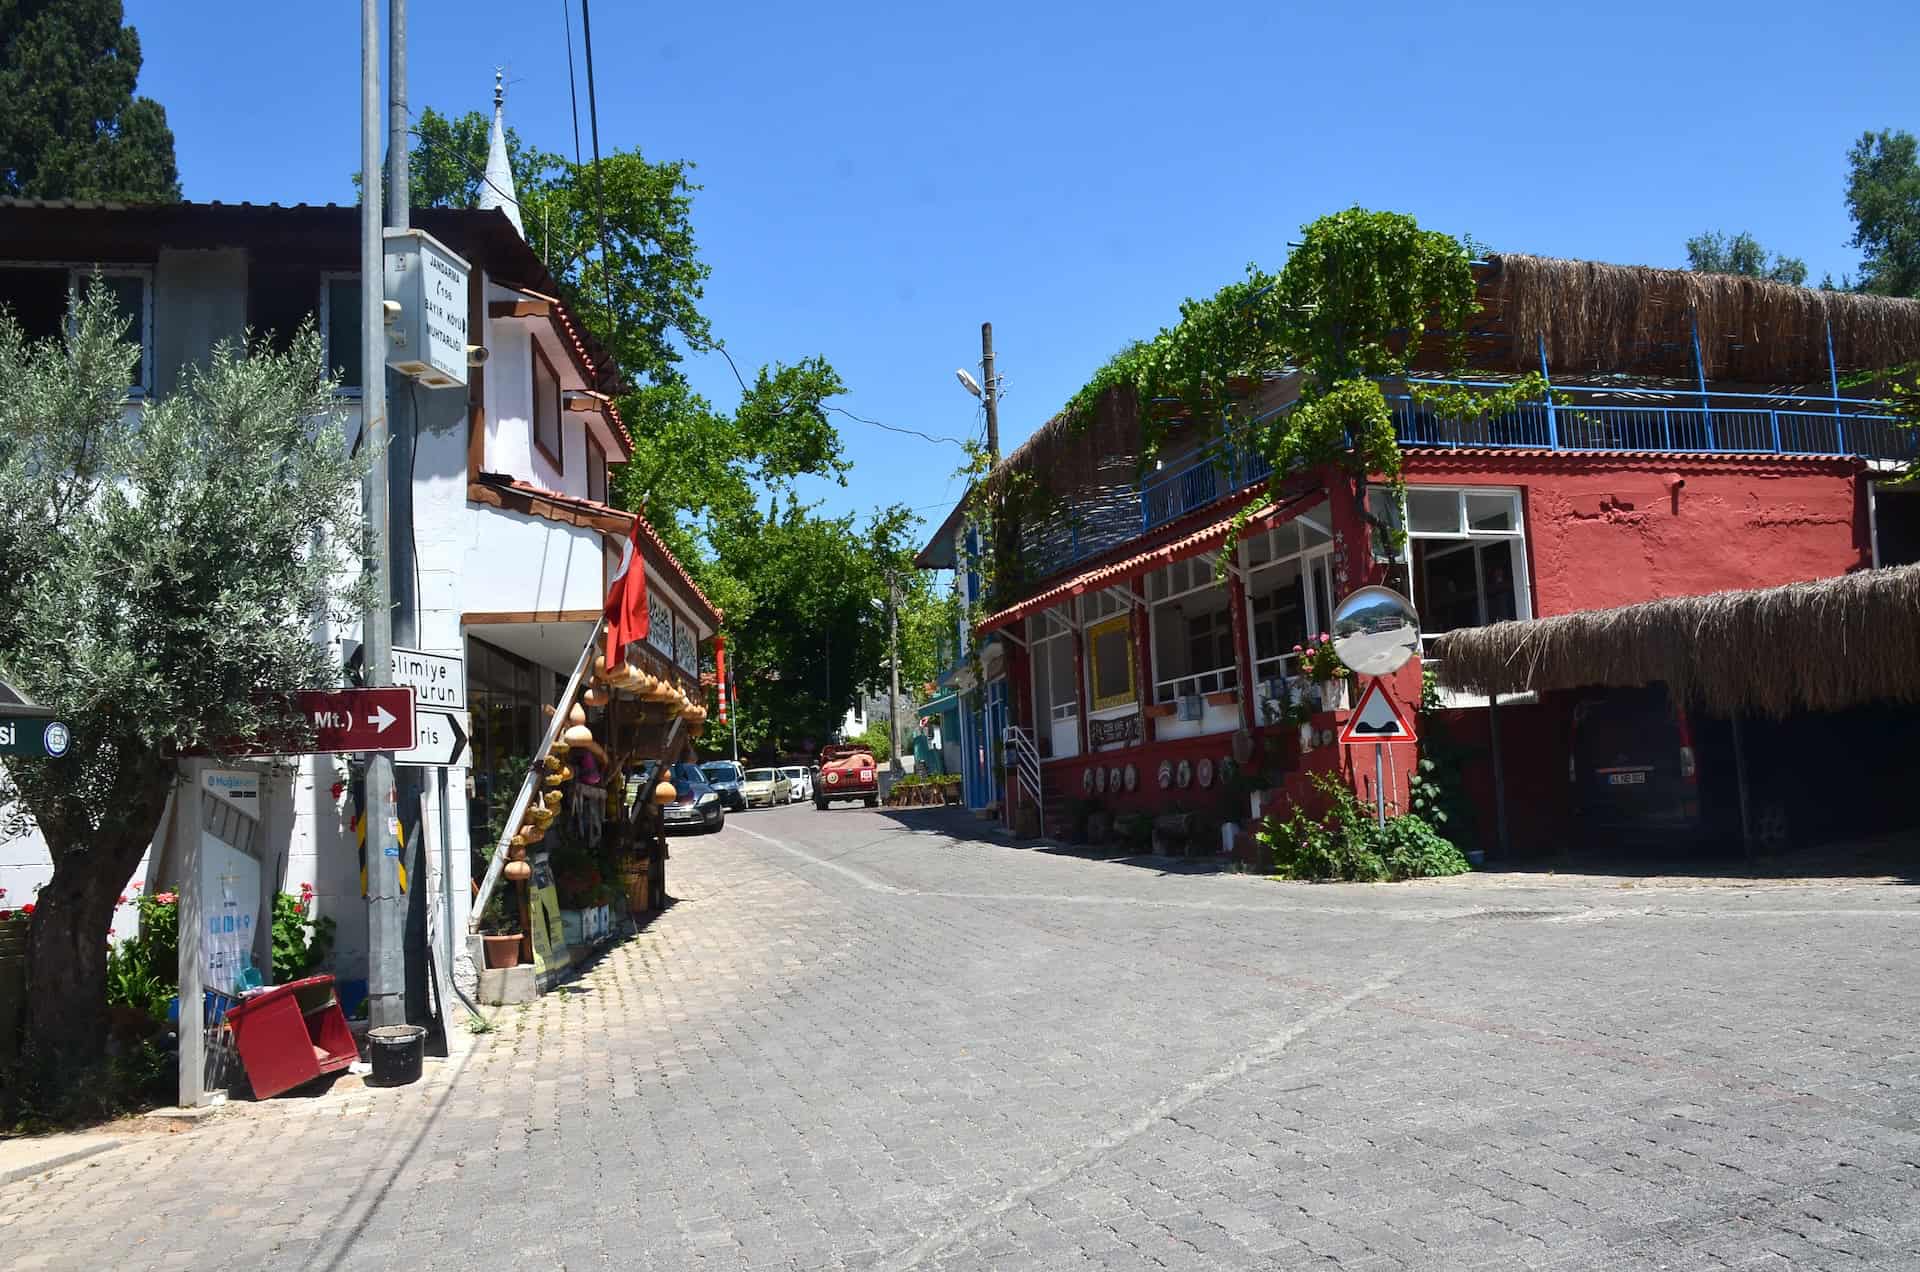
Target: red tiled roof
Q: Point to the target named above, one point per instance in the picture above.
(592, 512)
(1127, 567)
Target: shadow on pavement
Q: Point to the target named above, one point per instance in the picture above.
(1894, 856)
(960, 823)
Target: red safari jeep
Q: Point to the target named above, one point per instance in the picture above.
(847, 772)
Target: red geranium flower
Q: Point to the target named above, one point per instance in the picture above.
(27, 908)
(166, 898)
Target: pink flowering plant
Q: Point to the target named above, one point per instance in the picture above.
(1318, 661)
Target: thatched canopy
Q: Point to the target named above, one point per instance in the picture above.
(1819, 646)
(1594, 317)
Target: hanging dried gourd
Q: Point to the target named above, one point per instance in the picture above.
(554, 779)
(576, 715)
(577, 735)
(551, 762)
(518, 871)
(553, 800)
(516, 851)
(664, 793)
(594, 697)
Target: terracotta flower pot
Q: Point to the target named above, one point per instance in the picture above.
(502, 951)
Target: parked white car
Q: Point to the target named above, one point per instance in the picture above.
(802, 783)
(766, 788)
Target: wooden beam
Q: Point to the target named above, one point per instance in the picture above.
(518, 309)
(584, 400)
(485, 617)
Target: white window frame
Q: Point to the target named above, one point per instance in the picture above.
(77, 275)
(1194, 683)
(1283, 665)
(1041, 630)
(1516, 539)
(327, 279)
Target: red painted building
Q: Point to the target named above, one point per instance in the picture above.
(1133, 669)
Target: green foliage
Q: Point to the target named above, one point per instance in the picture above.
(71, 127)
(875, 738)
(1135, 829)
(1716, 253)
(1883, 196)
(301, 940)
(1437, 787)
(164, 571)
(1347, 843)
(40, 1093)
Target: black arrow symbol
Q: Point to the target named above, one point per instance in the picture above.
(459, 740)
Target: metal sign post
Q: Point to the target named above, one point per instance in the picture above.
(1376, 633)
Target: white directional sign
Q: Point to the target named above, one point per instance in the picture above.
(442, 741)
(438, 681)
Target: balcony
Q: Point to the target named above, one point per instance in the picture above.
(1593, 419)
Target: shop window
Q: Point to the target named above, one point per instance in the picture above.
(1468, 556)
(596, 472)
(37, 297)
(1051, 648)
(1289, 591)
(504, 700)
(1110, 663)
(340, 328)
(1192, 632)
(546, 410)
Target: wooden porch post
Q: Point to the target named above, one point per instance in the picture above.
(1142, 657)
(1242, 648)
(1082, 701)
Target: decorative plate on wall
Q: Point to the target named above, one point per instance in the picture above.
(1116, 779)
(1185, 774)
(1100, 780)
(1086, 780)
(1166, 774)
(1133, 777)
(1204, 771)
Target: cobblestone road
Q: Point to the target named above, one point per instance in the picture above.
(859, 1043)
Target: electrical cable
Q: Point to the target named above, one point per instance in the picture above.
(717, 347)
(599, 187)
(573, 93)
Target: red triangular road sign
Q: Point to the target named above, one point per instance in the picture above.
(1376, 719)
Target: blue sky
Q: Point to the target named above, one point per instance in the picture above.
(879, 178)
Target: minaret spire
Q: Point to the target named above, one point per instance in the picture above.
(497, 190)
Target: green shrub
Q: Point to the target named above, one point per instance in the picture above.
(1347, 842)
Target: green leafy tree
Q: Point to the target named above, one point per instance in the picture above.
(1883, 196)
(1716, 253)
(163, 571)
(642, 300)
(70, 126)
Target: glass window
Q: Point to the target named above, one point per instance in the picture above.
(37, 300)
(596, 472)
(546, 410)
(1110, 653)
(129, 291)
(1433, 511)
(1193, 645)
(340, 328)
(1291, 598)
(1470, 574)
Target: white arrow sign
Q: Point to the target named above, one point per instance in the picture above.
(441, 741)
(382, 718)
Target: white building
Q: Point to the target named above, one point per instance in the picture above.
(515, 538)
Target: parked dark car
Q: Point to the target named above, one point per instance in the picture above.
(1633, 768)
(725, 777)
(696, 805)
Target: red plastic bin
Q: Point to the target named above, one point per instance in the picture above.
(291, 1034)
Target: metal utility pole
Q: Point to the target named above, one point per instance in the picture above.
(990, 392)
(409, 784)
(385, 913)
(893, 646)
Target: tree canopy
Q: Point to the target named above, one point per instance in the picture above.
(163, 570)
(1717, 253)
(1883, 197)
(71, 127)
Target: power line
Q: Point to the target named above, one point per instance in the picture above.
(573, 93)
(716, 347)
(599, 187)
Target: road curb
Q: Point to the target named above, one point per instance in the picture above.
(55, 1157)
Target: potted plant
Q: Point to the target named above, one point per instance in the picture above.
(1321, 665)
(500, 930)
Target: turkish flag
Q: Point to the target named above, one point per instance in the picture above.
(627, 598)
(720, 672)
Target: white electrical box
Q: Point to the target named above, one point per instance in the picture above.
(427, 337)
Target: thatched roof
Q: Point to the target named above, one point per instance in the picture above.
(1818, 646)
(1633, 318)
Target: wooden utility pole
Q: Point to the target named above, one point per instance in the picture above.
(990, 392)
(893, 657)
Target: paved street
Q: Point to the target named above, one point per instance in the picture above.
(858, 1043)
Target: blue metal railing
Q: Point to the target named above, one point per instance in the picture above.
(1716, 423)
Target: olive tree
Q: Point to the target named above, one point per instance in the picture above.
(164, 568)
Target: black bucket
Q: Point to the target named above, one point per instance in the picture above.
(396, 1052)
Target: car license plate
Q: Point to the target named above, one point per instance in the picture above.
(679, 814)
(1626, 779)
